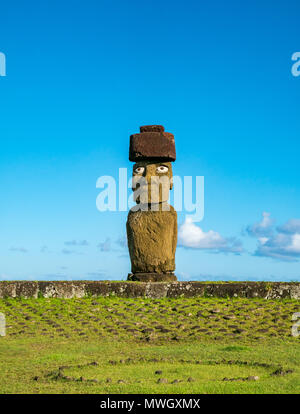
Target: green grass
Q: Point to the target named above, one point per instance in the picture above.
(116, 345)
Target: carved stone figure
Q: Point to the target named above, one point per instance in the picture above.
(152, 223)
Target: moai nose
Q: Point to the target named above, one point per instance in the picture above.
(149, 173)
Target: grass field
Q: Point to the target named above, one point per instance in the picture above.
(118, 345)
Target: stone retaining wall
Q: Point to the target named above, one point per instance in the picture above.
(79, 289)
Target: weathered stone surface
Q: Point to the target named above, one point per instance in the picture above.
(152, 128)
(150, 185)
(18, 289)
(152, 142)
(152, 277)
(61, 289)
(152, 239)
(81, 288)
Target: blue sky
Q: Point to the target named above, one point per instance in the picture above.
(83, 76)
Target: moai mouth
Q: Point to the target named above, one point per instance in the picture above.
(152, 223)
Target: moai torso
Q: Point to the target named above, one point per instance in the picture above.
(152, 239)
(152, 223)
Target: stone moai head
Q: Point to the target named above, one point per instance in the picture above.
(152, 226)
(152, 182)
(152, 149)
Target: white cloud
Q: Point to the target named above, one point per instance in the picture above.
(262, 229)
(105, 246)
(122, 241)
(295, 243)
(192, 236)
(291, 227)
(67, 251)
(18, 249)
(76, 243)
(263, 240)
(282, 245)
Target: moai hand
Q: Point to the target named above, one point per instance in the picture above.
(152, 223)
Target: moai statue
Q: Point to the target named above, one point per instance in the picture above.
(152, 223)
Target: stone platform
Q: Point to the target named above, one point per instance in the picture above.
(152, 277)
(81, 288)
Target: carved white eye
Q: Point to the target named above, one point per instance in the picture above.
(162, 169)
(139, 170)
